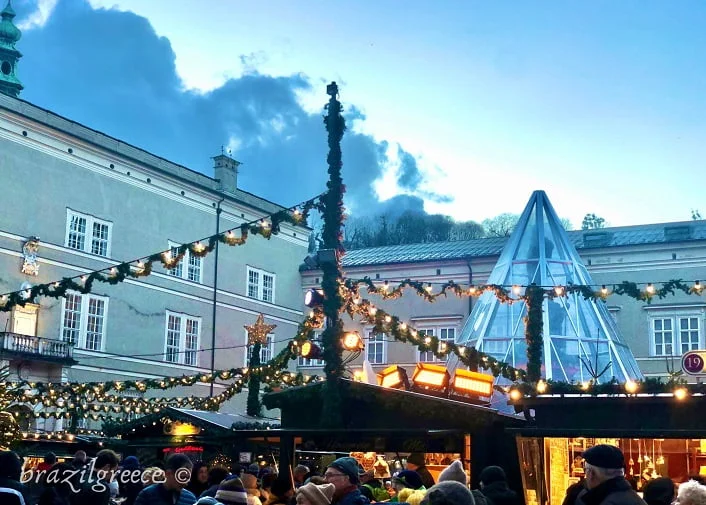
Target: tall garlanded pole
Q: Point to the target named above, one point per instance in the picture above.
(257, 336)
(534, 328)
(332, 237)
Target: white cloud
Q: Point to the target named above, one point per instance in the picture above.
(39, 17)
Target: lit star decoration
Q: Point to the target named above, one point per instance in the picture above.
(257, 333)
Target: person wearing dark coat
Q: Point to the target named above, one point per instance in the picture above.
(493, 485)
(130, 486)
(659, 491)
(216, 475)
(415, 462)
(455, 472)
(11, 488)
(605, 479)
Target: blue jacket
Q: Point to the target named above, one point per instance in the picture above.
(157, 494)
(355, 497)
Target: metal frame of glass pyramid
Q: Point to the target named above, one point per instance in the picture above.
(581, 339)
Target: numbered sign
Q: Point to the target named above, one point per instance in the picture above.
(693, 362)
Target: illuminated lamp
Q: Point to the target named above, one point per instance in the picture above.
(314, 298)
(394, 377)
(310, 350)
(466, 383)
(352, 341)
(430, 378)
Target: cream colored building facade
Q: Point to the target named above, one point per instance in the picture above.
(657, 333)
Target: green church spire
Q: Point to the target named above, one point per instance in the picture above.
(9, 35)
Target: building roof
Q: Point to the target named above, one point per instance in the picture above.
(683, 231)
(129, 151)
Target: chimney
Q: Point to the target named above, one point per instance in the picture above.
(226, 173)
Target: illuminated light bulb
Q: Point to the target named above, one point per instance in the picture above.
(230, 234)
(357, 300)
(198, 246)
(388, 319)
(680, 393)
(264, 224)
(55, 285)
(461, 351)
(515, 394)
(402, 326)
(372, 311)
(167, 256)
(631, 387)
(472, 290)
(604, 290)
(427, 340)
(413, 333)
(698, 287)
(541, 387)
(559, 290)
(311, 314)
(385, 286)
(428, 288)
(516, 289)
(650, 288)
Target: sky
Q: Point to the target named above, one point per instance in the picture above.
(457, 107)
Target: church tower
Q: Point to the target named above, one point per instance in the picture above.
(9, 35)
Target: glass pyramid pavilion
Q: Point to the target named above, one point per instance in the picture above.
(579, 335)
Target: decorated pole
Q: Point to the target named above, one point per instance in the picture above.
(534, 327)
(257, 335)
(332, 236)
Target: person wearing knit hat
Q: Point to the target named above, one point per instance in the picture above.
(448, 492)
(311, 494)
(416, 463)
(232, 492)
(208, 500)
(493, 485)
(455, 472)
(407, 478)
(343, 474)
(416, 497)
(250, 485)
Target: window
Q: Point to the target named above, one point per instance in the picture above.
(675, 335)
(267, 350)
(312, 362)
(376, 347)
(190, 267)
(83, 320)
(445, 334)
(182, 339)
(261, 285)
(87, 233)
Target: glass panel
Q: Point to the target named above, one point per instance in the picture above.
(71, 325)
(194, 268)
(99, 244)
(178, 270)
(253, 283)
(375, 349)
(426, 356)
(191, 341)
(268, 285)
(173, 339)
(77, 233)
(94, 324)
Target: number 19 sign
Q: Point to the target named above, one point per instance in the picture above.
(694, 362)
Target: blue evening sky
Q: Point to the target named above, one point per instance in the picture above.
(600, 103)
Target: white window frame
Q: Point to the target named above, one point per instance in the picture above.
(182, 269)
(88, 234)
(83, 319)
(308, 362)
(260, 288)
(436, 331)
(369, 334)
(675, 316)
(181, 351)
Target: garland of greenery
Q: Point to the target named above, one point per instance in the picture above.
(504, 294)
(534, 297)
(382, 322)
(142, 267)
(332, 236)
(253, 407)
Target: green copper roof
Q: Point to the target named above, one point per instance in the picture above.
(9, 33)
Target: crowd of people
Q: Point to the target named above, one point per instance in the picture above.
(105, 480)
